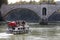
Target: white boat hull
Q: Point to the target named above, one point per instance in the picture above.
(18, 30)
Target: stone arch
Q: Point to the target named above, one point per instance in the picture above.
(55, 16)
(22, 14)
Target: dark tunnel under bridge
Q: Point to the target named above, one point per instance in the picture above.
(22, 14)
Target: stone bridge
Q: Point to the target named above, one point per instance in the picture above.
(38, 9)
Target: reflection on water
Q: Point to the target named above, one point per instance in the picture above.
(37, 32)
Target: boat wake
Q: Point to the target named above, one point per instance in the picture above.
(5, 35)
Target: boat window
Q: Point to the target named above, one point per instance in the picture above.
(18, 28)
(13, 28)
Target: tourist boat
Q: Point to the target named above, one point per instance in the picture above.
(18, 30)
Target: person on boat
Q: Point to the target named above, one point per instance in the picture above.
(18, 23)
(23, 24)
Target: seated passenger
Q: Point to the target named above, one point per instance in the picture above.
(18, 23)
(23, 24)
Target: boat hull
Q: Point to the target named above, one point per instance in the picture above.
(18, 30)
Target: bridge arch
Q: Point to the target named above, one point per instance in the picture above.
(55, 16)
(22, 14)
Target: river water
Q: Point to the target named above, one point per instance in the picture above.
(36, 32)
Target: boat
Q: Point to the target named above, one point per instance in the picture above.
(18, 30)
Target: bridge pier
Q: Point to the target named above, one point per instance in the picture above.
(44, 22)
(44, 19)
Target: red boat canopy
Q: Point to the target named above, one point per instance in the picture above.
(12, 24)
